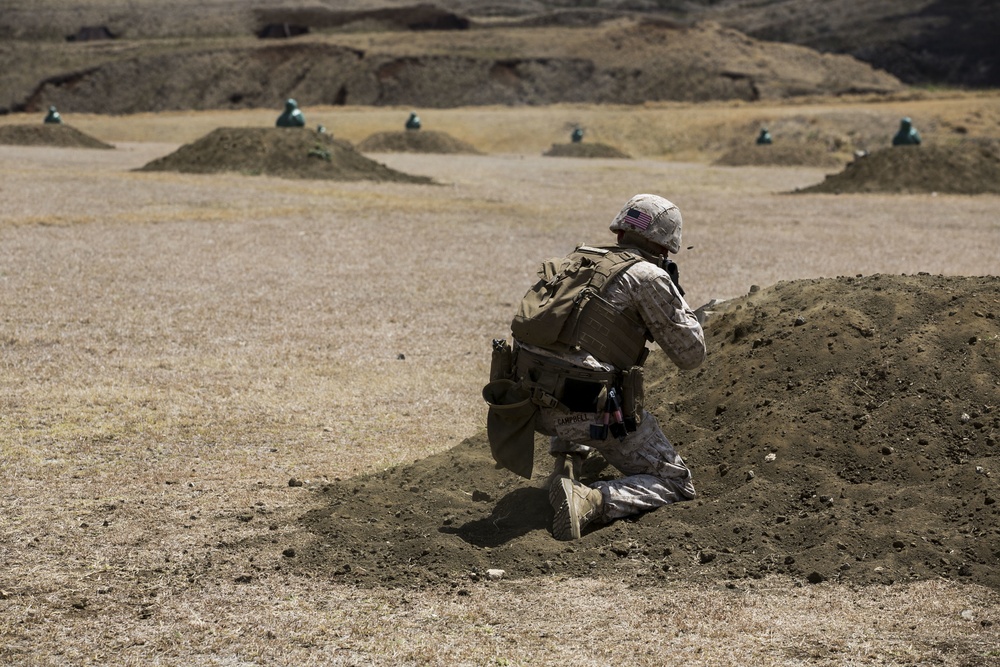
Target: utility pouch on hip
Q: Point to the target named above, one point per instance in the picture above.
(510, 425)
(502, 362)
(632, 397)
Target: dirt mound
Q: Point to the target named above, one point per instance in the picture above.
(48, 134)
(582, 149)
(275, 151)
(971, 167)
(415, 141)
(840, 429)
(779, 156)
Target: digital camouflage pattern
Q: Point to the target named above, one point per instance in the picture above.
(654, 474)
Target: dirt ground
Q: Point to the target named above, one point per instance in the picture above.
(787, 155)
(846, 429)
(221, 445)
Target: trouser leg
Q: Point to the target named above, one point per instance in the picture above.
(654, 474)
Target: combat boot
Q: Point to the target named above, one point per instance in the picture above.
(576, 505)
(566, 465)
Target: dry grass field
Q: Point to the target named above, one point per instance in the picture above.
(175, 348)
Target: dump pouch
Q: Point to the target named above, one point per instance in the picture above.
(502, 362)
(632, 397)
(510, 425)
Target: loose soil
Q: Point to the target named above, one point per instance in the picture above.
(971, 167)
(584, 150)
(48, 134)
(284, 152)
(415, 141)
(779, 156)
(841, 429)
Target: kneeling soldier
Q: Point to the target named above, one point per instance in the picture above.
(579, 342)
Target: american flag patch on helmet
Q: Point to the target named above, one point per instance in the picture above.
(638, 219)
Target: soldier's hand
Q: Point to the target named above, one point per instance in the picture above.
(674, 274)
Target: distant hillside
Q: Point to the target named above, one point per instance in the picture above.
(622, 62)
(919, 41)
(143, 55)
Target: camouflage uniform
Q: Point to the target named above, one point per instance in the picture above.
(655, 475)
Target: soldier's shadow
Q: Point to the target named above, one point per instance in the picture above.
(521, 511)
(518, 513)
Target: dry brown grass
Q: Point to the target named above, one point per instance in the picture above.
(175, 347)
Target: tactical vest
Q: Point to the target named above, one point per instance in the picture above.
(566, 310)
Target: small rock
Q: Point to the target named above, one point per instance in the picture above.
(815, 578)
(770, 457)
(481, 497)
(401, 356)
(706, 557)
(4, 595)
(964, 418)
(967, 615)
(754, 289)
(243, 579)
(750, 475)
(799, 321)
(887, 450)
(288, 553)
(495, 574)
(294, 482)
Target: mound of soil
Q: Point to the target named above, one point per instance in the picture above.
(583, 149)
(48, 134)
(840, 429)
(971, 167)
(277, 151)
(415, 141)
(779, 156)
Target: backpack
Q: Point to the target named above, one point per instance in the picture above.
(565, 309)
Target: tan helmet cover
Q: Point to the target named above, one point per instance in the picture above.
(653, 218)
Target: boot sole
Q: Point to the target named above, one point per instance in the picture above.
(566, 523)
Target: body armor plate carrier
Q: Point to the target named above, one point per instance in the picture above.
(566, 311)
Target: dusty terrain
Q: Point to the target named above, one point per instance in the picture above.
(223, 444)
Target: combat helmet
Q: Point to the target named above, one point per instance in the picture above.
(653, 218)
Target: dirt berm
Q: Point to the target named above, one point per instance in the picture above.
(284, 152)
(841, 429)
(971, 167)
(581, 149)
(48, 134)
(415, 141)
